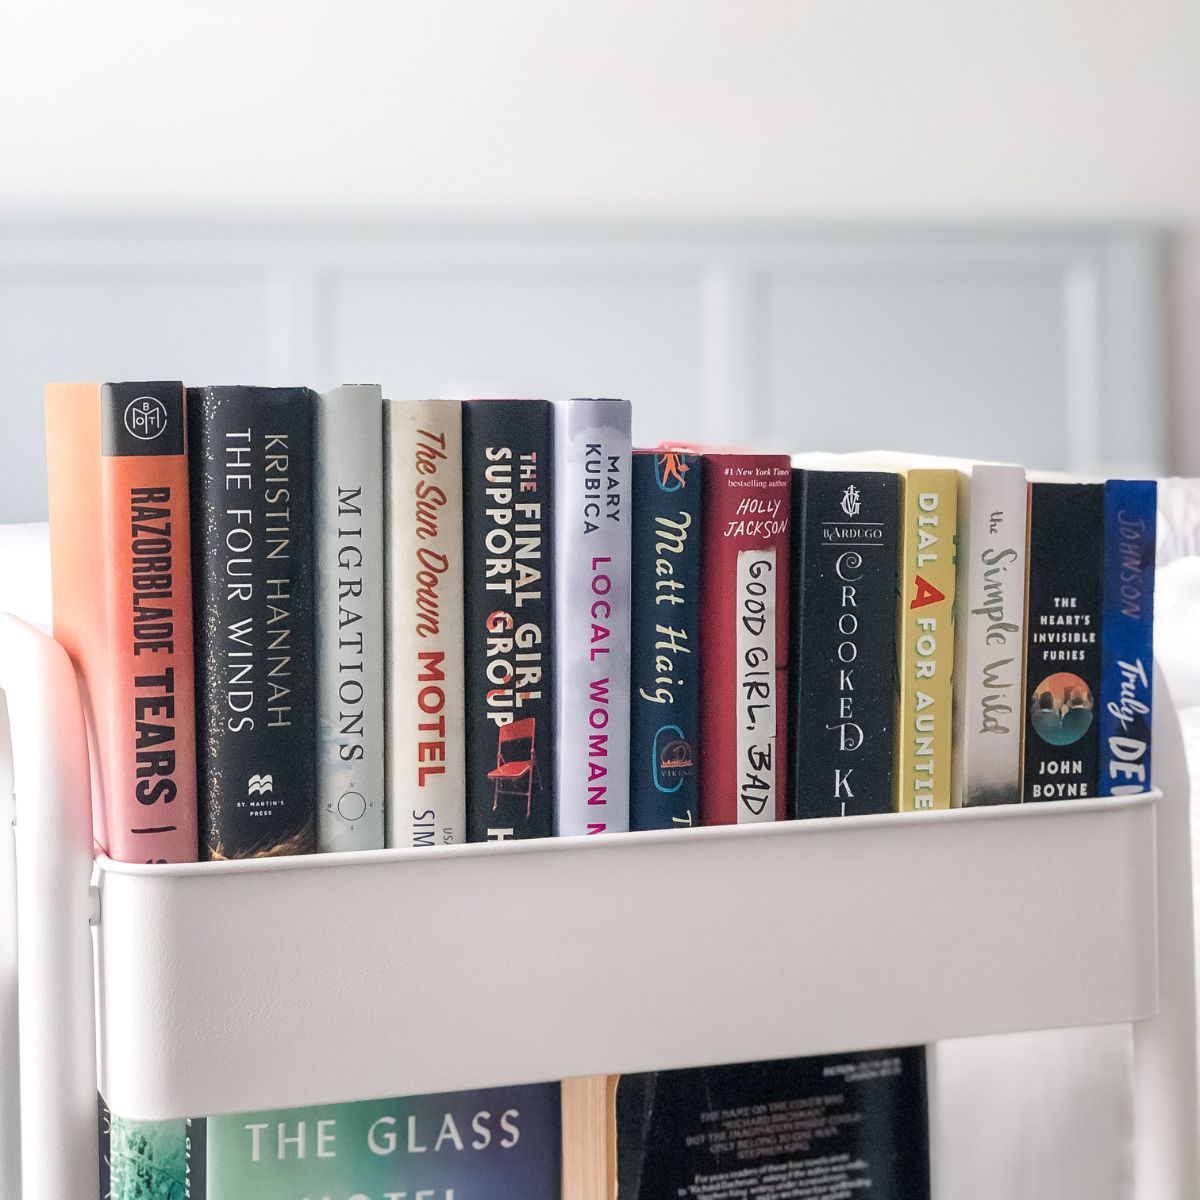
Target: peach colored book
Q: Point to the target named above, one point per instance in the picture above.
(121, 564)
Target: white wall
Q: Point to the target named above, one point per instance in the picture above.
(841, 108)
(629, 108)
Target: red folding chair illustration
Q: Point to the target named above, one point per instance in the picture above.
(514, 763)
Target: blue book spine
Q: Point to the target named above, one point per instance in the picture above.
(664, 642)
(1127, 636)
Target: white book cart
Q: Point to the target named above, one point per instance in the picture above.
(198, 989)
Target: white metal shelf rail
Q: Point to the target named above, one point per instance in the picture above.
(897, 929)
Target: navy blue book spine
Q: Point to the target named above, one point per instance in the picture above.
(1127, 644)
(665, 644)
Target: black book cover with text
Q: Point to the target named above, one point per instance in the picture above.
(845, 555)
(508, 619)
(1062, 675)
(251, 458)
(824, 1128)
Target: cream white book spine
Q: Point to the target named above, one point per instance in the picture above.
(425, 724)
(592, 536)
(348, 516)
(989, 636)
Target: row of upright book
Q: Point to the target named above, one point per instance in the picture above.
(333, 621)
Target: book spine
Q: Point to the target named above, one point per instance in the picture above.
(252, 534)
(664, 735)
(744, 625)
(1127, 641)
(989, 632)
(121, 574)
(77, 565)
(1066, 554)
(508, 633)
(925, 716)
(195, 1179)
(592, 526)
(845, 532)
(348, 516)
(426, 734)
(150, 767)
(104, 1143)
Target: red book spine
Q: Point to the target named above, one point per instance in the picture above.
(744, 638)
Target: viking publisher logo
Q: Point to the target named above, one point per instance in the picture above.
(259, 785)
(674, 759)
(146, 417)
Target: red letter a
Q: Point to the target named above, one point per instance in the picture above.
(926, 594)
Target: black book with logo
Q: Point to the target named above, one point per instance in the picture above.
(251, 460)
(845, 548)
(1062, 630)
(508, 630)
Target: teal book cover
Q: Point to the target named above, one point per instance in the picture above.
(492, 1144)
(146, 1160)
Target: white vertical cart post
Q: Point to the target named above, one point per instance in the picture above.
(208, 976)
(46, 747)
(1167, 1136)
(10, 1078)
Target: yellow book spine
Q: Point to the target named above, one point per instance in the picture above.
(924, 712)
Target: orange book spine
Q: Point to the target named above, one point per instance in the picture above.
(123, 604)
(76, 562)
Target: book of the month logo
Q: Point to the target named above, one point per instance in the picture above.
(145, 417)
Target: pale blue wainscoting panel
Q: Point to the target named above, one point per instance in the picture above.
(1035, 343)
(529, 332)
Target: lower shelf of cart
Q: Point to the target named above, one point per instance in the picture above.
(225, 987)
